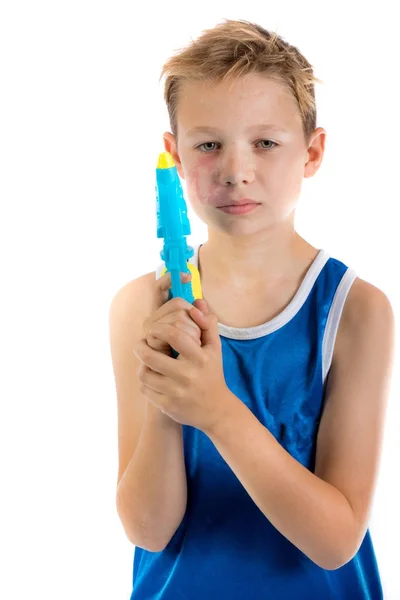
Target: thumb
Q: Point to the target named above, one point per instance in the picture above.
(202, 305)
(162, 289)
(207, 322)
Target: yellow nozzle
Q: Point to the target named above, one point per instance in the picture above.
(165, 161)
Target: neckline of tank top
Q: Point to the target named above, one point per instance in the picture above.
(249, 333)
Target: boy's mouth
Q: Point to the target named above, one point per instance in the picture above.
(239, 209)
(241, 202)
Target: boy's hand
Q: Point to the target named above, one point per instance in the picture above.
(174, 312)
(190, 389)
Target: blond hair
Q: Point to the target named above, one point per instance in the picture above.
(235, 48)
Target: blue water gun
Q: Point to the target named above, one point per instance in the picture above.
(173, 225)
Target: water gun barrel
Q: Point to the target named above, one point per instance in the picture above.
(173, 226)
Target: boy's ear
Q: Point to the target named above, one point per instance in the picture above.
(315, 152)
(171, 147)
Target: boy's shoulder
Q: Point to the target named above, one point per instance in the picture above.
(367, 308)
(134, 295)
(365, 299)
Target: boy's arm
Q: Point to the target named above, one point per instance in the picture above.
(151, 489)
(325, 514)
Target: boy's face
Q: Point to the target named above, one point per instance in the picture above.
(238, 142)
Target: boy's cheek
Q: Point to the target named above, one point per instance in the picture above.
(199, 181)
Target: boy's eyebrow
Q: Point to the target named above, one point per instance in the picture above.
(263, 126)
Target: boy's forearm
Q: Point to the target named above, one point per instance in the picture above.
(312, 514)
(152, 493)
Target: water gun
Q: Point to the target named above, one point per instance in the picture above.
(173, 226)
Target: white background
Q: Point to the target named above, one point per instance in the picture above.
(82, 117)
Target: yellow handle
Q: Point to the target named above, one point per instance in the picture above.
(196, 285)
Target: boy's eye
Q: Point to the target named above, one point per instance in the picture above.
(267, 144)
(210, 146)
(207, 146)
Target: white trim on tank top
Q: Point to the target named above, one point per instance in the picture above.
(250, 333)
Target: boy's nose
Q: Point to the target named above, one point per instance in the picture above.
(236, 168)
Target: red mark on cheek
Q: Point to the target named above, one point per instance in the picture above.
(201, 182)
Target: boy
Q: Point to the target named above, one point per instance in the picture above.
(247, 466)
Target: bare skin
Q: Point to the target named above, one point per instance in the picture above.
(240, 158)
(262, 261)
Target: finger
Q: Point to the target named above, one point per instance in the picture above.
(156, 398)
(164, 347)
(180, 341)
(163, 285)
(176, 312)
(188, 327)
(161, 401)
(170, 306)
(171, 312)
(158, 345)
(198, 317)
(202, 305)
(156, 382)
(160, 362)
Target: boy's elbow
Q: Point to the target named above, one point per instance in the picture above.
(136, 532)
(333, 565)
(343, 546)
(148, 546)
(141, 540)
(337, 558)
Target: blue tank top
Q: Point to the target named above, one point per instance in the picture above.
(225, 547)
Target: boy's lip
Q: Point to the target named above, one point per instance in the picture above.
(240, 202)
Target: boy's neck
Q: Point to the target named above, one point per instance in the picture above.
(248, 263)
